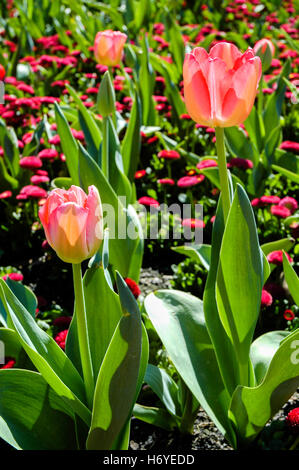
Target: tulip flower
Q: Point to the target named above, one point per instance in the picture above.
(73, 223)
(108, 47)
(220, 87)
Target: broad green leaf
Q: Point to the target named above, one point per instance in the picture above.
(11, 151)
(272, 143)
(283, 244)
(147, 84)
(171, 89)
(179, 321)
(121, 246)
(240, 279)
(62, 182)
(155, 416)
(32, 415)
(251, 408)
(198, 253)
(225, 353)
(289, 174)
(164, 387)
(118, 377)
(253, 126)
(9, 344)
(239, 145)
(46, 355)
(103, 310)
(262, 351)
(117, 177)
(291, 278)
(272, 111)
(176, 43)
(68, 144)
(91, 128)
(131, 143)
(24, 294)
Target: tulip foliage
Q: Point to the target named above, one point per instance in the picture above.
(44, 404)
(240, 381)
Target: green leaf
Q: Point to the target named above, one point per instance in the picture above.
(121, 247)
(179, 321)
(262, 351)
(289, 174)
(240, 279)
(239, 145)
(176, 43)
(291, 279)
(117, 380)
(68, 144)
(155, 416)
(283, 244)
(93, 133)
(273, 109)
(147, 84)
(24, 294)
(199, 253)
(131, 143)
(32, 415)
(253, 126)
(117, 177)
(164, 387)
(46, 355)
(220, 340)
(251, 408)
(9, 344)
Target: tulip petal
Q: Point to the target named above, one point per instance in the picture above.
(94, 226)
(67, 232)
(196, 92)
(77, 195)
(226, 51)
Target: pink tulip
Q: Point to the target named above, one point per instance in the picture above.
(73, 223)
(220, 87)
(108, 47)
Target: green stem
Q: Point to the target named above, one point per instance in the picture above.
(295, 444)
(189, 414)
(260, 98)
(223, 173)
(83, 334)
(105, 147)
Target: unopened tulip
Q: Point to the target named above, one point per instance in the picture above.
(73, 223)
(108, 47)
(220, 87)
(264, 49)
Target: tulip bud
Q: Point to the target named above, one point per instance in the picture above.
(73, 223)
(106, 96)
(265, 50)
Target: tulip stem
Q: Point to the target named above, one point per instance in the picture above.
(223, 173)
(105, 147)
(83, 334)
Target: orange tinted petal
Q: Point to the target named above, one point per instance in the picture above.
(196, 92)
(67, 232)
